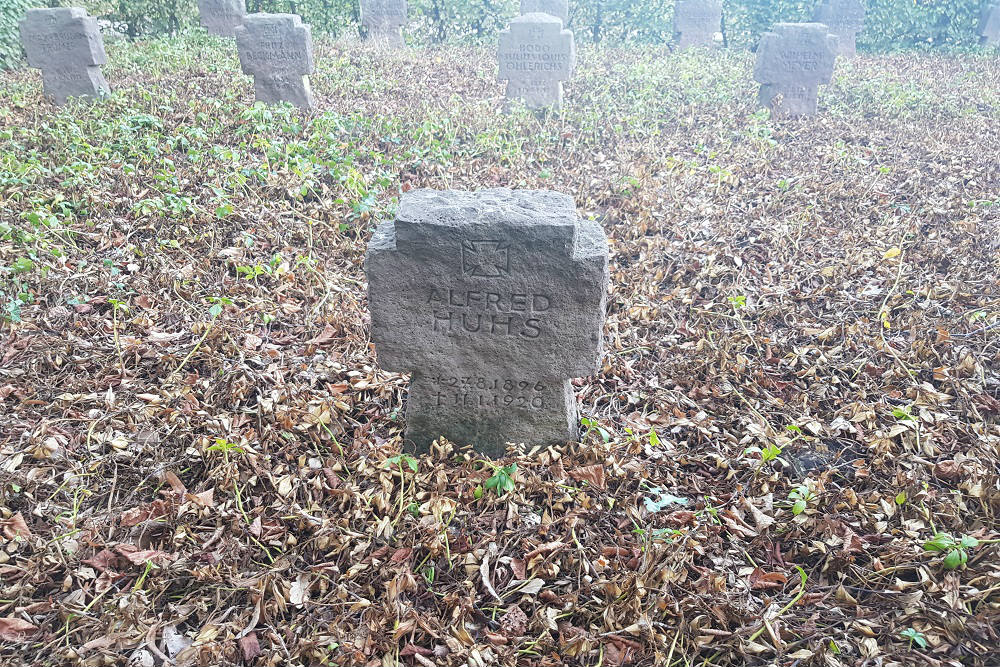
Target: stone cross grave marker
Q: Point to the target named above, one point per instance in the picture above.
(557, 8)
(536, 55)
(989, 25)
(492, 301)
(277, 50)
(793, 60)
(696, 22)
(384, 20)
(66, 44)
(222, 17)
(845, 19)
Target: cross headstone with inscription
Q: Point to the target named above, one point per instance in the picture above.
(66, 44)
(989, 25)
(492, 301)
(277, 50)
(696, 22)
(845, 19)
(557, 8)
(384, 20)
(536, 55)
(222, 17)
(793, 60)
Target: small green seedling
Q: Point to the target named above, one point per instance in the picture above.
(915, 637)
(502, 481)
(224, 446)
(956, 551)
(801, 497)
(593, 425)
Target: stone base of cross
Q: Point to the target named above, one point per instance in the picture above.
(293, 89)
(788, 100)
(82, 82)
(536, 55)
(536, 94)
(491, 301)
(66, 44)
(489, 411)
(388, 36)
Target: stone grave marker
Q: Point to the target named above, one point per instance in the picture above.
(536, 55)
(696, 22)
(492, 301)
(989, 25)
(66, 44)
(222, 17)
(384, 20)
(557, 8)
(845, 19)
(793, 60)
(277, 50)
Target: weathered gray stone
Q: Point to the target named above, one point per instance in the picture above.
(845, 19)
(696, 22)
(384, 21)
(557, 8)
(536, 55)
(66, 44)
(491, 301)
(793, 60)
(989, 25)
(222, 17)
(277, 50)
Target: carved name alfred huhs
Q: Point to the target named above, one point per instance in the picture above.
(384, 20)
(793, 59)
(557, 8)
(492, 301)
(66, 45)
(277, 50)
(989, 25)
(696, 22)
(536, 55)
(845, 18)
(222, 17)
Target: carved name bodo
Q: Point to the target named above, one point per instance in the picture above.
(492, 301)
(845, 19)
(536, 55)
(696, 22)
(276, 49)
(989, 25)
(793, 60)
(384, 20)
(66, 44)
(557, 8)
(222, 17)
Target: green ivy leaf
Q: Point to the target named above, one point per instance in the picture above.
(22, 265)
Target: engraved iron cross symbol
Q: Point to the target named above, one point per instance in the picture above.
(485, 259)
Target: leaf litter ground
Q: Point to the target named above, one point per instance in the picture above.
(791, 447)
